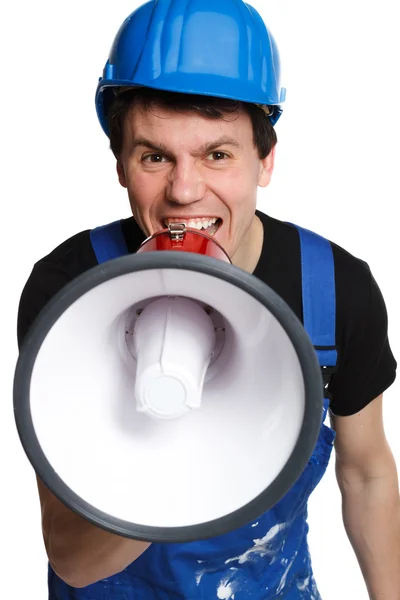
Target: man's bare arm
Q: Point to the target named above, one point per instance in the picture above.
(367, 477)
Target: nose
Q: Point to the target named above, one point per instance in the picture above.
(185, 184)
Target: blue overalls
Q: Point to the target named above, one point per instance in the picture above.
(268, 558)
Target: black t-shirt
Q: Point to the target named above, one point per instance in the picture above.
(366, 366)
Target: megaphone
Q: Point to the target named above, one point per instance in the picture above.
(168, 396)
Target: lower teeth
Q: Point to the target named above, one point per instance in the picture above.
(211, 230)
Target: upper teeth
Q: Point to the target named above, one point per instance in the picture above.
(194, 223)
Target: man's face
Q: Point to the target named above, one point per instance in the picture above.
(188, 168)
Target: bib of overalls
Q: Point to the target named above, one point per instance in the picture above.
(268, 558)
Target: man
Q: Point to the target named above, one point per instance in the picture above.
(189, 97)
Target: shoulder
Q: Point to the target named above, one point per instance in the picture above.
(352, 274)
(73, 256)
(64, 263)
(366, 366)
(358, 296)
(281, 266)
(50, 274)
(353, 281)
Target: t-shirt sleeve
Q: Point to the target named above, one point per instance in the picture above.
(366, 365)
(45, 280)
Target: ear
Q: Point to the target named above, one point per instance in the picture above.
(266, 168)
(121, 174)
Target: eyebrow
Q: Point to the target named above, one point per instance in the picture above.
(205, 149)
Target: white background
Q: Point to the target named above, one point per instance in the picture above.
(336, 173)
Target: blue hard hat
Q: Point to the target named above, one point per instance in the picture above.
(216, 48)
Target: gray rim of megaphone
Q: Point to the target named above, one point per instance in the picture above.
(181, 261)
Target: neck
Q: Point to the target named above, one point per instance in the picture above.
(248, 254)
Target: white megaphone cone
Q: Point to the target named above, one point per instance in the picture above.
(174, 342)
(174, 339)
(168, 395)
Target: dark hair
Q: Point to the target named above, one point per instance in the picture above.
(264, 136)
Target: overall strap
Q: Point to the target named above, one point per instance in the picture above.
(319, 297)
(108, 242)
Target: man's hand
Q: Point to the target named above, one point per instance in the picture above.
(81, 553)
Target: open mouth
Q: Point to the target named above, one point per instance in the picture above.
(209, 226)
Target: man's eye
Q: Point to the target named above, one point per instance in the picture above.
(217, 155)
(153, 158)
